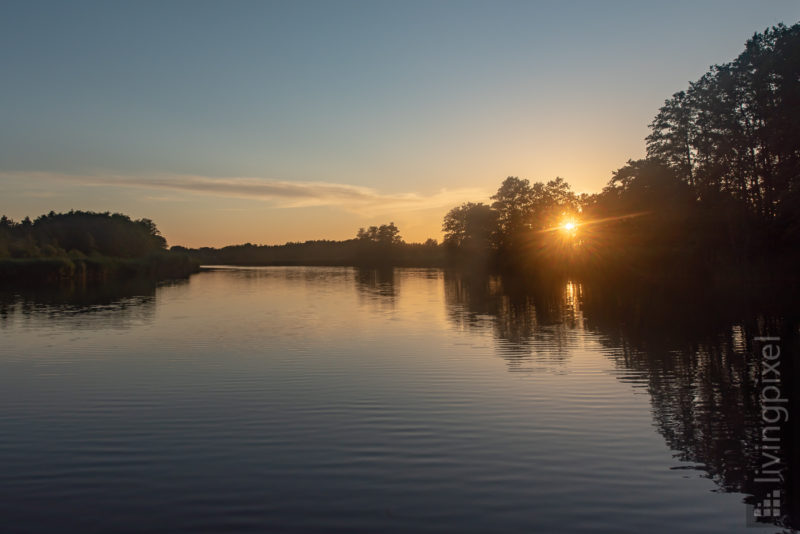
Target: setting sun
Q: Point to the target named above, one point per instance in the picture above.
(569, 226)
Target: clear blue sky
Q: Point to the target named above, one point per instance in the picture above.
(255, 121)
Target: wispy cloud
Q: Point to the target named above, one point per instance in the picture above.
(283, 194)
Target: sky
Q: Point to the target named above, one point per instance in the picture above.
(268, 122)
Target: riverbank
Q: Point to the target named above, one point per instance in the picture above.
(95, 268)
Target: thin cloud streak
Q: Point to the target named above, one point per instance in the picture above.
(281, 194)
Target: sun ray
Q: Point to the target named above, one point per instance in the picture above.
(571, 225)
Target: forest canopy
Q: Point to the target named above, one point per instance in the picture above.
(79, 233)
(83, 246)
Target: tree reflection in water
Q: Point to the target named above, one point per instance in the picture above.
(693, 350)
(113, 305)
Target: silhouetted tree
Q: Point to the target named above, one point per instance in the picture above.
(734, 132)
(470, 226)
(80, 232)
(385, 234)
(720, 185)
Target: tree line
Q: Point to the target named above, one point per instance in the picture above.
(720, 185)
(78, 234)
(85, 245)
(378, 246)
(718, 195)
(718, 192)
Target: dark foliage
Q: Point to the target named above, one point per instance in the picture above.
(718, 195)
(79, 233)
(377, 245)
(85, 246)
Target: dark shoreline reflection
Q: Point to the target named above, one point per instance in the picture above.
(116, 304)
(531, 322)
(378, 284)
(694, 349)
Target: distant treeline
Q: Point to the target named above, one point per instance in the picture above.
(374, 246)
(85, 246)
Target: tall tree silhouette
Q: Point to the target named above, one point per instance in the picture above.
(734, 132)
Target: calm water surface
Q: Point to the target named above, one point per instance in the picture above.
(334, 399)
